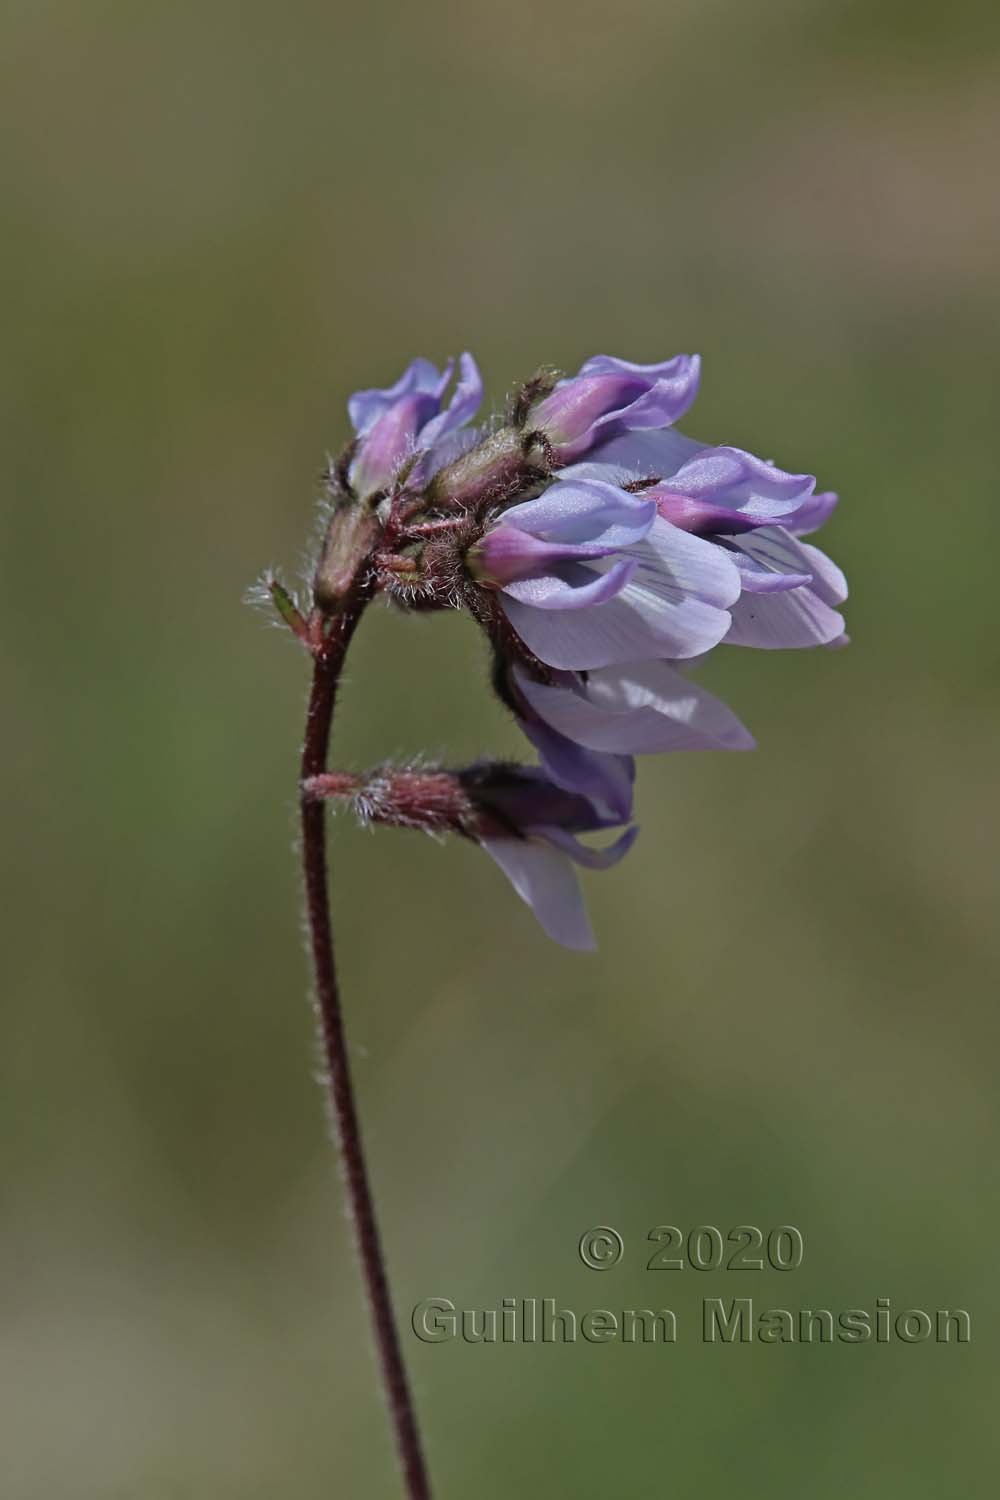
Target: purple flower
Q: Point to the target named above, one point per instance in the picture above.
(407, 418)
(751, 511)
(610, 396)
(598, 546)
(590, 575)
(523, 819)
(529, 825)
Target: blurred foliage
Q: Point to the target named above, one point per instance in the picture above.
(222, 218)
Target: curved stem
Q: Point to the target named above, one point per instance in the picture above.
(329, 660)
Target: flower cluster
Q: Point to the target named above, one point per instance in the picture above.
(603, 553)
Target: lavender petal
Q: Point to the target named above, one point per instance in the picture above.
(544, 878)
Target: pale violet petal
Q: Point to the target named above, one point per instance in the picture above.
(583, 513)
(732, 477)
(465, 402)
(635, 710)
(758, 578)
(783, 622)
(606, 779)
(811, 514)
(643, 454)
(774, 548)
(828, 580)
(420, 377)
(544, 878)
(583, 854)
(673, 606)
(639, 623)
(664, 369)
(689, 564)
(575, 586)
(506, 553)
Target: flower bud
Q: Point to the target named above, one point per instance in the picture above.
(389, 440)
(611, 396)
(409, 417)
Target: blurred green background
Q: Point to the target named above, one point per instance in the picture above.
(219, 220)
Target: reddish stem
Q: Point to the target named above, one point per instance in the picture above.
(328, 663)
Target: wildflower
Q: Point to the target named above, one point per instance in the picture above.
(525, 821)
(590, 575)
(752, 512)
(407, 418)
(603, 552)
(596, 546)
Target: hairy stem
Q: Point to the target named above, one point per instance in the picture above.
(329, 661)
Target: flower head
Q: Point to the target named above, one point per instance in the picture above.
(409, 417)
(603, 552)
